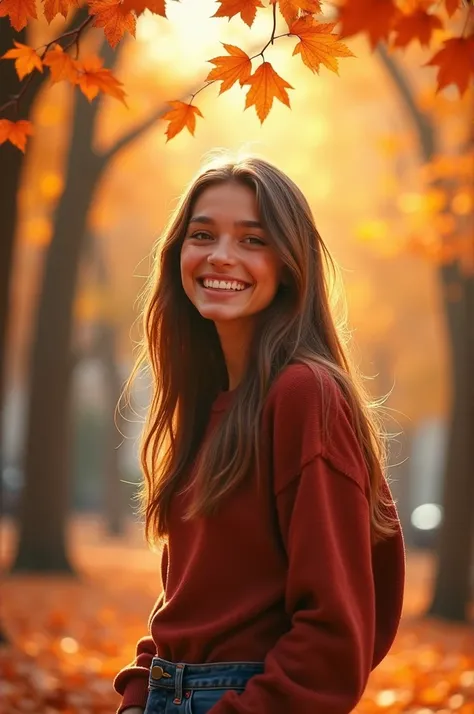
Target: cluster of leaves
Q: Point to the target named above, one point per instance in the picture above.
(398, 22)
(434, 221)
(67, 649)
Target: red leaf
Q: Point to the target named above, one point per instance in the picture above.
(376, 18)
(455, 62)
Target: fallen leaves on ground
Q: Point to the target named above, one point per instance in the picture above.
(70, 637)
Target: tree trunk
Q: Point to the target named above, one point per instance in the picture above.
(455, 550)
(11, 161)
(115, 493)
(453, 585)
(45, 497)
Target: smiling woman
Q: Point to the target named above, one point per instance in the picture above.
(229, 267)
(283, 566)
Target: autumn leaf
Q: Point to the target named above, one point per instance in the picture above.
(266, 85)
(452, 6)
(291, 9)
(114, 18)
(418, 25)
(92, 78)
(246, 8)
(16, 132)
(455, 62)
(230, 68)
(51, 8)
(157, 7)
(373, 17)
(26, 59)
(19, 12)
(62, 66)
(317, 44)
(180, 116)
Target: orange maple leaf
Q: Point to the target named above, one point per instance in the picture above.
(16, 132)
(455, 62)
(246, 8)
(180, 116)
(26, 59)
(61, 65)
(51, 8)
(230, 68)
(418, 25)
(157, 7)
(114, 18)
(19, 12)
(317, 44)
(374, 17)
(452, 6)
(92, 78)
(266, 85)
(291, 9)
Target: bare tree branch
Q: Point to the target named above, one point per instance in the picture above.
(135, 133)
(423, 124)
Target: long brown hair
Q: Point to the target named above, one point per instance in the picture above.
(182, 352)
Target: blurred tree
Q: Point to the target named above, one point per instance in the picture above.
(455, 549)
(116, 496)
(44, 502)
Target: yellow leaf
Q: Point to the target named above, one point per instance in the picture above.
(317, 44)
(229, 69)
(61, 65)
(180, 116)
(266, 85)
(26, 59)
(16, 132)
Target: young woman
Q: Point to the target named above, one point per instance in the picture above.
(283, 562)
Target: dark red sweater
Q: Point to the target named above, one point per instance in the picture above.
(284, 573)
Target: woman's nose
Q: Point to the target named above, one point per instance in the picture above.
(221, 254)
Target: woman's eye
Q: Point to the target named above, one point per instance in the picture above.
(201, 235)
(254, 240)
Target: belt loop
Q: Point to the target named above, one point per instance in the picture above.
(178, 692)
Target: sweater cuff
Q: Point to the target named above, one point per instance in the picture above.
(135, 695)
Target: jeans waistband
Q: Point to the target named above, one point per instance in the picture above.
(213, 675)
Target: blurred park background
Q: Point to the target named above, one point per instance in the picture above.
(387, 165)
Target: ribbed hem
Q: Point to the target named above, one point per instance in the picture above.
(135, 695)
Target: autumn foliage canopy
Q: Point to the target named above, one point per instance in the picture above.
(445, 28)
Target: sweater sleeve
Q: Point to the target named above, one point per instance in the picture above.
(321, 665)
(132, 681)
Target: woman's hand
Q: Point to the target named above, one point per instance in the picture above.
(133, 710)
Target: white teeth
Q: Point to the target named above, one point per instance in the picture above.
(223, 284)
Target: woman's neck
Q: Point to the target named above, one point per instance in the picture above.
(235, 343)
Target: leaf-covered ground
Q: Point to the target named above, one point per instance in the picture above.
(71, 637)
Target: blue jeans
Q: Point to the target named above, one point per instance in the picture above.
(194, 688)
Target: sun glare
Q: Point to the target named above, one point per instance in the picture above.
(191, 35)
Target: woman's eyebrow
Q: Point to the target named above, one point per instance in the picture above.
(250, 223)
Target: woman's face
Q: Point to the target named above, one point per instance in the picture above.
(229, 268)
